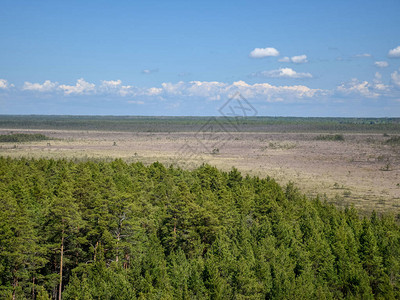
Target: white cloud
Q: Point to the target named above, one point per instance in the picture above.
(47, 86)
(81, 87)
(299, 59)
(378, 85)
(214, 91)
(273, 93)
(173, 88)
(153, 91)
(111, 83)
(356, 87)
(381, 87)
(381, 64)
(208, 90)
(366, 89)
(284, 59)
(282, 73)
(263, 52)
(115, 87)
(218, 91)
(395, 76)
(394, 52)
(4, 85)
(125, 90)
(110, 86)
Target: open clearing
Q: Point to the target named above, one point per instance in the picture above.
(361, 170)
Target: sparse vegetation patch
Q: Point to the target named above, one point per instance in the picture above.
(22, 137)
(330, 137)
(395, 140)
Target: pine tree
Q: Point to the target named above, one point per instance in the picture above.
(20, 254)
(64, 224)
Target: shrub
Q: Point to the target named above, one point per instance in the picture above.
(393, 141)
(330, 137)
(22, 137)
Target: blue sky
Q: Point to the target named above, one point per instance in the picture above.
(287, 58)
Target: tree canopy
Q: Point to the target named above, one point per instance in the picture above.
(112, 230)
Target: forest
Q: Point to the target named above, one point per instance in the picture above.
(115, 230)
(190, 123)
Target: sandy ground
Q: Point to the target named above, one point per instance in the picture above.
(361, 170)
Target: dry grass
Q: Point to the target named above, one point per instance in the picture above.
(345, 172)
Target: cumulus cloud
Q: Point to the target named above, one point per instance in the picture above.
(395, 76)
(115, 87)
(274, 93)
(366, 89)
(381, 64)
(218, 91)
(298, 59)
(208, 90)
(282, 73)
(47, 86)
(214, 91)
(205, 89)
(125, 90)
(81, 87)
(263, 52)
(378, 84)
(111, 83)
(4, 85)
(358, 88)
(394, 52)
(153, 91)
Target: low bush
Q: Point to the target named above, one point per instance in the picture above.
(330, 137)
(22, 137)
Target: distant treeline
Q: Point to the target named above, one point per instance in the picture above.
(98, 230)
(22, 137)
(177, 124)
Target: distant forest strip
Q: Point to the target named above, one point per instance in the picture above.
(182, 124)
(22, 137)
(112, 230)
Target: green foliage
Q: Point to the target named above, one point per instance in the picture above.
(192, 124)
(22, 137)
(129, 231)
